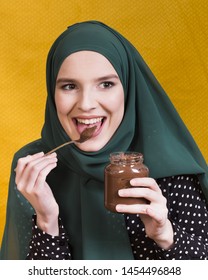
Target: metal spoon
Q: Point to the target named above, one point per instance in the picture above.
(84, 136)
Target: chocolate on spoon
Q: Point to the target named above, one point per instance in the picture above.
(84, 136)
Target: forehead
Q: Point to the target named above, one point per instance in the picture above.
(86, 63)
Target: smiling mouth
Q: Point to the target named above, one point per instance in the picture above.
(89, 121)
(82, 124)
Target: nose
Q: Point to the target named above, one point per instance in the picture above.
(87, 101)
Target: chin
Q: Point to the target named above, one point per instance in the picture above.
(90, 147)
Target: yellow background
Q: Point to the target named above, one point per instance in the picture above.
(171, 35)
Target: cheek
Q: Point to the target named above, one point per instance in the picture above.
(62, 109)
(116, 104)
(62, 104)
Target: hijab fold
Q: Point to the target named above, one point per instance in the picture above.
(150, 125)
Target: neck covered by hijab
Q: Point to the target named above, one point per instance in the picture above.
(150, 125)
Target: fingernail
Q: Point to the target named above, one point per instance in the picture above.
(119, 208)
(132, 181)
(121, 192)
(53, 154)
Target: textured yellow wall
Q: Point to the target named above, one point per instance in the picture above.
(172, 36)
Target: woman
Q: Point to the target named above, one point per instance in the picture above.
(96, 77)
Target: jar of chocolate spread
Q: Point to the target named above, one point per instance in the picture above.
(122, 168)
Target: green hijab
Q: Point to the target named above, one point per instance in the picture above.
(150, 125)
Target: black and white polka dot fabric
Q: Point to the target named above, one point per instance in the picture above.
(46, 247)
(187, 212)
(189, 216)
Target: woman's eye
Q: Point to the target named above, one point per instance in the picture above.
(69, 87)
(106, 84)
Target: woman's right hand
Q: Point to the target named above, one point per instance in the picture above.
(31, 172)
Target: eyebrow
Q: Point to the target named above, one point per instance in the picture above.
(67, 80)
(108, 77)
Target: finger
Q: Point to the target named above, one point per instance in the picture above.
(145, 182)
(132, 208)
(41, 179)
(140, 192)
(158, 216)
(22, 162)
(31, 172)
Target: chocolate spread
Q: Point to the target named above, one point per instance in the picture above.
(122, 168)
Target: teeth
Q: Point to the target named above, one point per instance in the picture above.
(89, 121)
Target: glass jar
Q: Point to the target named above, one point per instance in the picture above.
(122, 168)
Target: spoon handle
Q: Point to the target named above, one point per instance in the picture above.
(55, 149)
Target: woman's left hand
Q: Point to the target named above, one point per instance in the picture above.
(154, 214)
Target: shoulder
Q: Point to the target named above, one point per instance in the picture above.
(187, 181)
(179, 180)
(182, 186)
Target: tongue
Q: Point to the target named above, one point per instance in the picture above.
(81, 126)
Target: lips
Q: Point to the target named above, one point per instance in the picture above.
(89, 121)
(83, 123)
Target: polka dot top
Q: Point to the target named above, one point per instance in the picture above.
(187, 212)
(47, 247)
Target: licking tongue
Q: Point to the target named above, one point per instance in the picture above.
(81, 126)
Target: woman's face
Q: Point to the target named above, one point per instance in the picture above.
(89, 93)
